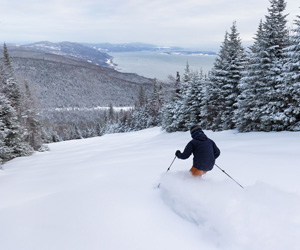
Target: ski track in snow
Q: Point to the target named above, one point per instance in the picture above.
(100, 193)
(259, 217)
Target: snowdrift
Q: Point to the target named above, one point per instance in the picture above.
(257, 217)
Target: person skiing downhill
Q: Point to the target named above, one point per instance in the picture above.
(205, 152)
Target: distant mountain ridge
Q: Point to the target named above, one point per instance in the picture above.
(135, 47)
(71, 49)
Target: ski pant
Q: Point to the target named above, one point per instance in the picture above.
(197, 172)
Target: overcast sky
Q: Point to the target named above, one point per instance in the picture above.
(188, 23)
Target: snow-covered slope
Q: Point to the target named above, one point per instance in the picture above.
(101, 193)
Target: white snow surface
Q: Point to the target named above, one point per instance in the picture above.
(101, 194)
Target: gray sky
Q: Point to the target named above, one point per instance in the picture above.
(188, 23)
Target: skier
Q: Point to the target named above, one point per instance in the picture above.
(205, 152)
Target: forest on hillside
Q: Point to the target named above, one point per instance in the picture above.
(48, 97)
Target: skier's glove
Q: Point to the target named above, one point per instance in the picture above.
(178, 153)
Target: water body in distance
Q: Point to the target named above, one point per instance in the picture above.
(154, 64)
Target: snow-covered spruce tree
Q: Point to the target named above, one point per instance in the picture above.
(277, 40)
(193, 99)
(236, 69)
(139, 115)
(21, 100)
(251, 98)
(173, 118)
(75, 132)
(169, 114)
(221, 89)
(138, 118)
(155, 106)
(168, 111)
(9, 71)
(292, 79)
(262, 102)
(111, 113)
(212, 106)
(184, 108)
(9, 84)
(183, 116)
(187, 73)
(10, 87)
(5, 151)
(208, 111)
(11, 133)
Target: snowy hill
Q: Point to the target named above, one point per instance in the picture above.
(101, 193)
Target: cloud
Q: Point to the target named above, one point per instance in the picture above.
(194, 23)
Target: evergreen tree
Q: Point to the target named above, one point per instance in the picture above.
(172, 110)
(251, 97)
(175, 114)
(177, 80)
(170, 114)
(8, 68)
(262, 102)
(193, 99)
(184, 108)
(181, 115)
(10, 87)
(292, 80)
(75, 133)
(187, 72)
(235, 71)
(11, 133)
(222, 88)
(212, 103)
(13, 93)
(276, 41)
(139, 118)
(140, 114)
(155, 105)
(111, 113)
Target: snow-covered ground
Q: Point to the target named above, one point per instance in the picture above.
(101, 194)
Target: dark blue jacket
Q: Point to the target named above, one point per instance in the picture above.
(205, 151)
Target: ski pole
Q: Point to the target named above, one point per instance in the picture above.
(168, 169)
(229, 176)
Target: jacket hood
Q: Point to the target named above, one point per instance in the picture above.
(199, 135)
